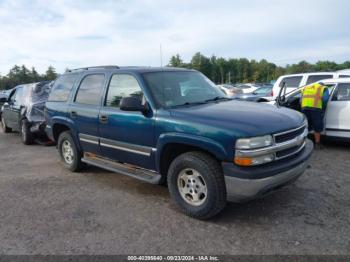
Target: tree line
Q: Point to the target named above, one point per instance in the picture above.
(218, 69)
(22, 75)
(242, 70)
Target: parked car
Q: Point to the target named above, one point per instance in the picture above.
(337, 114)
(24, 111)
(298, 80)
(259, 95)
(174, 126)
(247, 88)
(230, 90)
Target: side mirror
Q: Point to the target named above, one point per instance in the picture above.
(132, 104)
(6, 105)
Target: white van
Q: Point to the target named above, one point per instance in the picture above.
(297, 80)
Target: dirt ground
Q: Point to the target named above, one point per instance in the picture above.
(45, 209)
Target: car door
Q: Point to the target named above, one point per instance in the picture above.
(13, 110)
(126, 136)
(338, 112)
(84, 111)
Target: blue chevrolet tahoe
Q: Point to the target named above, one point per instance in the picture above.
(174, 126)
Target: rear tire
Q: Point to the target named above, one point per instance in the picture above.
(26, 136)
(4, 127)
(69, 152)
(196, 183)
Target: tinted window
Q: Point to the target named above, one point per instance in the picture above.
(62, 87)
(342, 93)
(90, 89)
(343, 76)
(315, 78)
(122, 85)
(291, 81)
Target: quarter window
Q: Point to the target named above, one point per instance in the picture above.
(90, 90)
(314, 78)
(291, 81)
(342, 93)
(62, 87)
(122, 85)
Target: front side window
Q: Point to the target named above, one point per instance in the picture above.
(90, 90)
(61, 89)
(315, 78)
(342, 93)
(171, 89)
(18, 96)
(291, 81)
(122, 85)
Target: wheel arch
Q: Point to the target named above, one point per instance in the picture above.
(171, 146)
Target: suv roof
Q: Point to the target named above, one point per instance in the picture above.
(313, 73)
(139, 69)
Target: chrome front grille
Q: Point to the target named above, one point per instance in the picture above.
(294, 141)
(289, 135)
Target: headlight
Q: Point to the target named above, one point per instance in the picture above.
(244, 157)
(254, 142)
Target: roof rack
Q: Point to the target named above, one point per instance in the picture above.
(95, 67)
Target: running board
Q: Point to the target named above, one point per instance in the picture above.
(125, 169)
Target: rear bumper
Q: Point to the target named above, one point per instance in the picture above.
(38, 128)
(240, 189)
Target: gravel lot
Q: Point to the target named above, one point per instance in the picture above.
(48, 210)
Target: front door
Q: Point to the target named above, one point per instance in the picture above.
(127, 137)
(84, 111)
(338, 112)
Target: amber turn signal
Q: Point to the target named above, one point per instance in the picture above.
(243, 161)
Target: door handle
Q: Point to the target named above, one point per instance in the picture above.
(104, 119)
(73, 114)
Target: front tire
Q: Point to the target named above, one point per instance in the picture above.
(4, 127)
(69, 152)
(26, 136)
(196, 183)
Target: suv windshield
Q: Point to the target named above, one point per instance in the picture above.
(174, 88)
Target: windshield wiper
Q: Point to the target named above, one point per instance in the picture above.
(217, 98)
(190, 104)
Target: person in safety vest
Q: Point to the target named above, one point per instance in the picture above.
(313, 104)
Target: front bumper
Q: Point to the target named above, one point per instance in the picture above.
(281, 173)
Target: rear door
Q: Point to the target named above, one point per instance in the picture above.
(338, 112)
(84, 110)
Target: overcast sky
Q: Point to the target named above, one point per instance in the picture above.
(73, 33)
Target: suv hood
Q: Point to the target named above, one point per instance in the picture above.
(240, 118)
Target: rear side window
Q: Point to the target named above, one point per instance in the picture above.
(314, 78)
(122, 85)
(343, 76)
(90, 90)
(342, 93)
(62, 87)
(291, 81)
